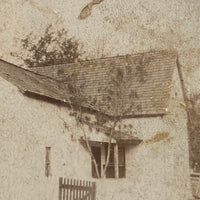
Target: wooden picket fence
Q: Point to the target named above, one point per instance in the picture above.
(71, 189)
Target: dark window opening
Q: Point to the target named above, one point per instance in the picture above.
(110, 172)
(96, 151)
(121, 157)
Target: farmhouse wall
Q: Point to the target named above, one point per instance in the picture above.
(158, 168)
(27, 127)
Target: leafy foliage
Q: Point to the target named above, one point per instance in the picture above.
(52, 48)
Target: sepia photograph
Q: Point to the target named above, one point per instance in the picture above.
(99, 100)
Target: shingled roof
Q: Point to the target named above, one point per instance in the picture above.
(141, 82)
(144, 88)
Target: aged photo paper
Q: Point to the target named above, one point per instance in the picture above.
(99, 100)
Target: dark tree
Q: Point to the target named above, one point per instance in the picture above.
(194, 131)
(52, 48)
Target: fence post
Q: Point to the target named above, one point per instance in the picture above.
(93, 191)
(60, 188)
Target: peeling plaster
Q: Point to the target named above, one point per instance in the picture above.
(158, 137)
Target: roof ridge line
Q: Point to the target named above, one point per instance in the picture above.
(110, 57)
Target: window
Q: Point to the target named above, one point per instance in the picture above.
(112, 171)
(96, 151)
(47, 162)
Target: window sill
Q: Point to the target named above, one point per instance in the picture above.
(109, 178)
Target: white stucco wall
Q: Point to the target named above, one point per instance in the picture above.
(154, 170)
(27, 126)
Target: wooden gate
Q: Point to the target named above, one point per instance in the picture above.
(71, 189)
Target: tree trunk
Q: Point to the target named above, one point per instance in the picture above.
(109, 148)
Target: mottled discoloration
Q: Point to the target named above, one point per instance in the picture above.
(114, 27)
(87, 10)
(160, 136)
